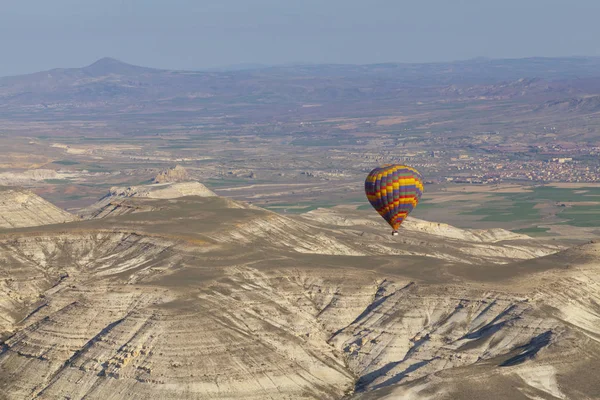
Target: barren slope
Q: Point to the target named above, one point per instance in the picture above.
(20, 208)
(206, 298)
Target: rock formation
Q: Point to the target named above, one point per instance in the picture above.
(163, 191)
(172, 175)
(116, 203)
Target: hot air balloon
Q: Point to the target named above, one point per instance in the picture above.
(394, 191)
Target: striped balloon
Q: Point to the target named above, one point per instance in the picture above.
(394, 190)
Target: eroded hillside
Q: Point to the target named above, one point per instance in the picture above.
(21, 208)
(204, 297)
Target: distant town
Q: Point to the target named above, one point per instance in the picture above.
(497, 164)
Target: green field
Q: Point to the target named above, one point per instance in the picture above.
(524, 209)
(65, 162)
(506, 210)
(57, 181)
(520, 207)
(582, 216)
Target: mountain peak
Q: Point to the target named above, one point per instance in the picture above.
(108, 65)
(107, 61)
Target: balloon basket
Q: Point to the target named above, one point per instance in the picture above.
(395, 233)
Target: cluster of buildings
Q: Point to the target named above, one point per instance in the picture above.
(491, 171)
(492, 164)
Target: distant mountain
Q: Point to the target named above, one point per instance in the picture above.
(109, 85)
(108, 66)
(106, 78)
(587, 104)
(103, 67)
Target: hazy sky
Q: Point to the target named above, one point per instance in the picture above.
(194, 34)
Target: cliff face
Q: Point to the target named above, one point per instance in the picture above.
(207, 298)
(172, 175)
(116, 201)
(21, 208)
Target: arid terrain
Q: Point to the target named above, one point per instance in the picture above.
(204, 297)
(205, 235)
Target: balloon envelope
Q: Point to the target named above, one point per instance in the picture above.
(394, 191)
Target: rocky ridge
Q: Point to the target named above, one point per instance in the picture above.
(115, 202)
